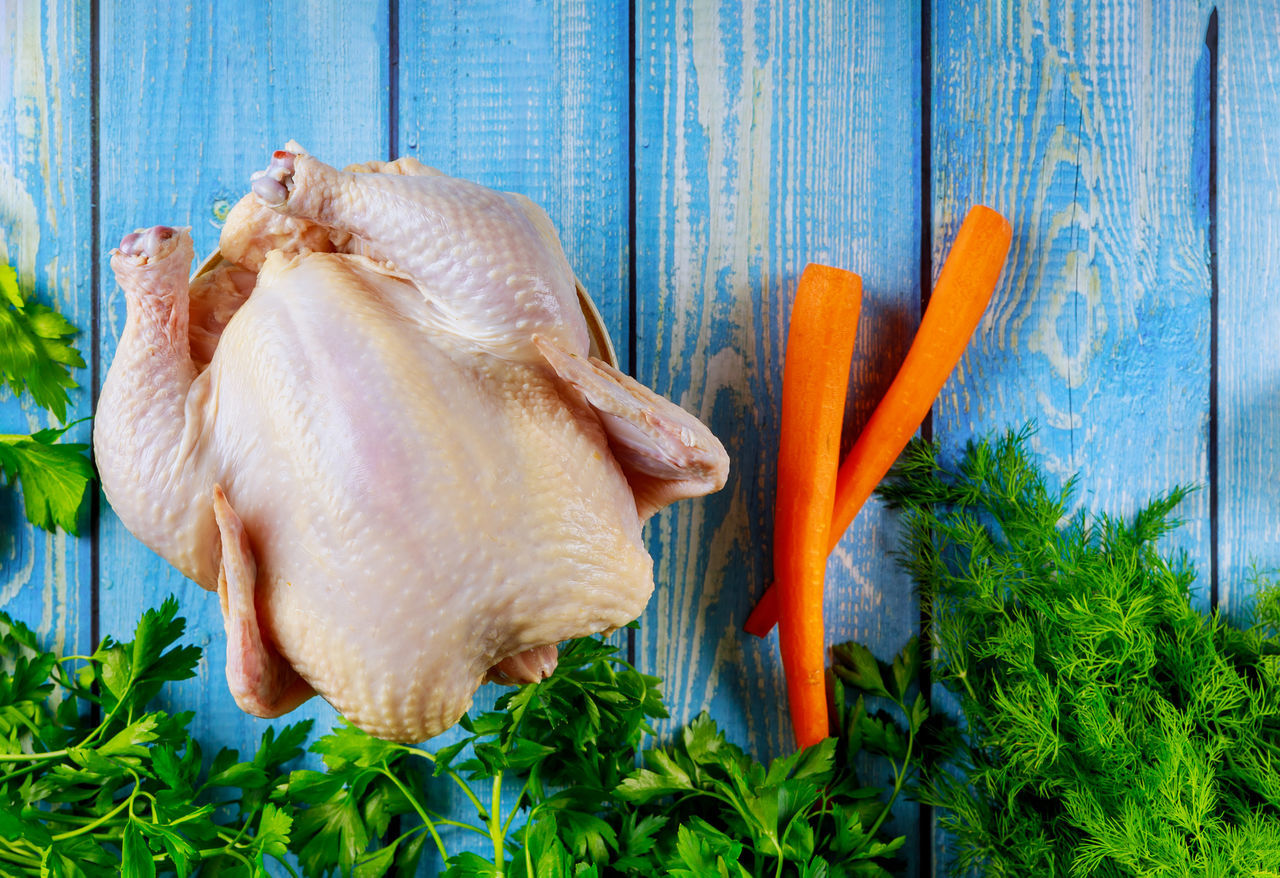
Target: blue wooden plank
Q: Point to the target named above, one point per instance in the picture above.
(768, 136)
(528, 97)
(193, 100)
(1079, 122)
(1085, 136)
(1248, 246)
(46, 234)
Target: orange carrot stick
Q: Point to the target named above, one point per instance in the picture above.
(964, 288)
(959, 299)
(815, 378)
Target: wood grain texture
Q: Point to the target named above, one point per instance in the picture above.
(1078, 121)
(45, 231)
(768, 136)
(532, 98)
(193, 100)
(1248, 239)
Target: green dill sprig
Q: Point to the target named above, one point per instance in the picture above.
(1110, 727)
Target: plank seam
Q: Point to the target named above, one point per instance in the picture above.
(95, 311)
(1211, 44)
(633, 62)
(925, 834)
(926, 178)
(393, 79)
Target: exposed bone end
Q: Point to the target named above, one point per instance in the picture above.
(272, 192)
(145, 245)
(274, 184)
(151, 266)
(530, 666)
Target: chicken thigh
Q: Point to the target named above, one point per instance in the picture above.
(376, 432)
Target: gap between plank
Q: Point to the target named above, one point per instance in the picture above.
(95, 312)
(1211, 46)
(632, 123)
(393, 80)
(926, 815)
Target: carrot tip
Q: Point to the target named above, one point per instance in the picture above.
(764, 616)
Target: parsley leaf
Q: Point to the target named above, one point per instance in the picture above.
(122, 794)
(54, 476)
(572, 744)
(36, 353)
(556, 775)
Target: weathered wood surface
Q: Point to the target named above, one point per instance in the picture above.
(188, 107)
(753, 159)
(695, 155)
(1082, 132)
(1248, 236)
(46, 234)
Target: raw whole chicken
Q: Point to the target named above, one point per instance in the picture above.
(375, 431)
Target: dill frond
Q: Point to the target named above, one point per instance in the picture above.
(1109, 728)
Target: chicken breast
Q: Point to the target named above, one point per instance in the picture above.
(376, 432)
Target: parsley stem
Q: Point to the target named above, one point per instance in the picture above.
(90, 827)
(226, 850)
(528, 856)
(496, 831)
(34, 765)
(441, 820)
(899, 779)
(462, 784)
(31, 845)
(417, 806)
(29, 862)
(229, 849)
(506, 827)
(31, 757)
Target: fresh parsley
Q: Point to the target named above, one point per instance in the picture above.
(36, 356)
(1110, 728)
(95, 780)
(53, 475)
(698, 806)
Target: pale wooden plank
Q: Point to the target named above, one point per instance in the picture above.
(528, 97)
(1248, 242)
(46, 235)
(1078, 121)
(193, 99)
(768, 136)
